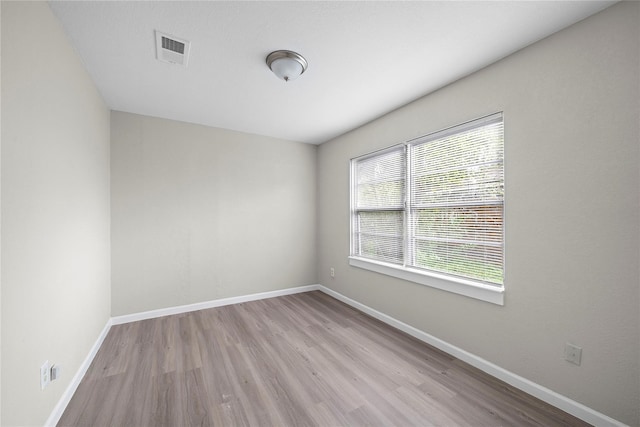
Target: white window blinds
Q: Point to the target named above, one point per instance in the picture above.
(378, 215)
(457, 194)
(450, 217)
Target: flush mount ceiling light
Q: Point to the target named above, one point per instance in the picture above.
(287, 65)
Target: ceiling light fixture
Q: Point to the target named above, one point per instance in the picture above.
(287, 65)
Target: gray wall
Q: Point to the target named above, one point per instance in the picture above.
(571, 105)
(200, 213)
(55, 211)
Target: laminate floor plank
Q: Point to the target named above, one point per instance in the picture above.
(297, 360)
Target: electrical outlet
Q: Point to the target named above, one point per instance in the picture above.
(333, 272)
(573, 354)
(45, 375)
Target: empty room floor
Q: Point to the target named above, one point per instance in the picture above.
(300, 360)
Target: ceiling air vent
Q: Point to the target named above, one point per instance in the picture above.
(172, 49)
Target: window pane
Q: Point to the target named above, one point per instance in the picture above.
(379, 235)
(463, 186)
(382, 248)
(460, 168)
(476, 146)
(382, 222)
(457, 194)
(469, 224)
(474, 261)
(380, 180)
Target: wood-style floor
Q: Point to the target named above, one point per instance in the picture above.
(299, 360)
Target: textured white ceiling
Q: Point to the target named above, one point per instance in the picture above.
(365, 58)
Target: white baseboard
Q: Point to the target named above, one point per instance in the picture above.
(75, 382)
(549, 396)
(210, 304)
(564, 403)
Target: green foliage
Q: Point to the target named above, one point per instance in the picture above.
(381, 194)
(457, 261)
(472, 223)
(385, 248)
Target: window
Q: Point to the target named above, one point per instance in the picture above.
(431, 210)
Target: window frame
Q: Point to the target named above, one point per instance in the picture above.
(484, 291)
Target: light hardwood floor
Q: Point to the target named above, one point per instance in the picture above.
(299, 360)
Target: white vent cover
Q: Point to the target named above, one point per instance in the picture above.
(172, 49)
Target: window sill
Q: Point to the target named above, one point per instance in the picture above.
(469, 288)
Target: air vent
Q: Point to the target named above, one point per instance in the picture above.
(171, 49)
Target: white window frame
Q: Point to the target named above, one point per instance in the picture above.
(459, 285)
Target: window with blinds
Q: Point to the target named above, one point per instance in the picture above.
(435, 203)
(379, 212)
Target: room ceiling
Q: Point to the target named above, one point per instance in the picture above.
(365, 58)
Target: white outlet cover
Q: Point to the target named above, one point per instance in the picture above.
(573, 354)
(45, 375)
